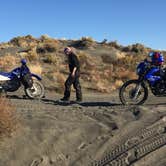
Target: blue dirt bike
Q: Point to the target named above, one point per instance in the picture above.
(12, 81)
(136, 91)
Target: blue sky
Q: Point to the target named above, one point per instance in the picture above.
(127, 21)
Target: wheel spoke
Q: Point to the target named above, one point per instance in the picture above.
(37, 91)
(133, 93)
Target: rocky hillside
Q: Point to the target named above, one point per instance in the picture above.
(104, 66)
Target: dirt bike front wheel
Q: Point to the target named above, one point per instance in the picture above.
(133, 93)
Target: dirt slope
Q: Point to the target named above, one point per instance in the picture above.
(77, 134)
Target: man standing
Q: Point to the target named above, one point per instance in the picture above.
(73, 78)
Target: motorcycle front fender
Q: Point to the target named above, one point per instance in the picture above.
(36, 76)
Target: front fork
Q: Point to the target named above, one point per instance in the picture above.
(137, 90)
(138, 87)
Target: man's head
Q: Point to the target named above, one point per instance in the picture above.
(67, 50)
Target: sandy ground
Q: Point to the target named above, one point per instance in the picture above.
(55, 134)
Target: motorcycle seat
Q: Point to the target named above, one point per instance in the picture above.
(6, 74)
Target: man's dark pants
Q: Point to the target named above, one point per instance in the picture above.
(75, 82)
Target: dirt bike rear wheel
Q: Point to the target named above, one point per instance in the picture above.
(36, 91)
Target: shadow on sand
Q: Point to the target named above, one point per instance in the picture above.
(84, 104)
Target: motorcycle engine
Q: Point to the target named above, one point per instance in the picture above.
(160, 88)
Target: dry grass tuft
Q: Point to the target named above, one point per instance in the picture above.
(8, 120)
(24, 41)
(7, 62)
(50, 59)
(84, 43)
(60, 79)
(47, 45)
(35, 68)
(86, 61)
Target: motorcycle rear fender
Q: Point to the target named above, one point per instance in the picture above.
(36, 76)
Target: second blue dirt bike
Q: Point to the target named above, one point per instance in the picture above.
(12, 81)
(136, 91)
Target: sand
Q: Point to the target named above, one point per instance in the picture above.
(56, 134)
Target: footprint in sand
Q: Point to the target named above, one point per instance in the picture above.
(82, 146)
(36, 162)
(40, 161)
